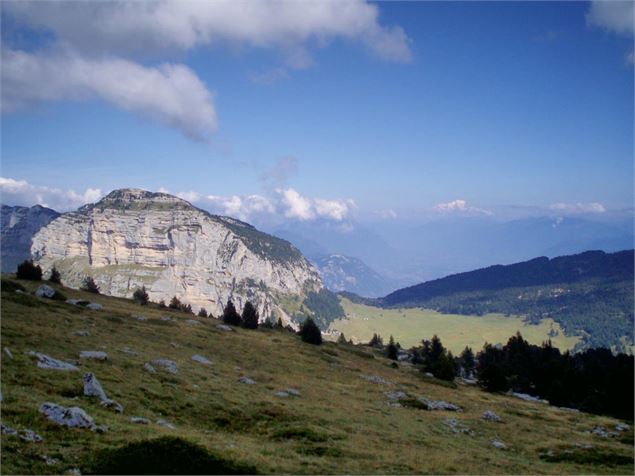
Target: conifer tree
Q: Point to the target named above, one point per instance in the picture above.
(202, 312)
(141, 296)
(342, 339)
(55, 276)
(310, 332)
(90, 285)
(391, 352)
(175, 303)
(27, 270)
(250, 316)
(230, 315)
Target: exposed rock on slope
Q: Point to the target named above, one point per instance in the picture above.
(17, 227)
(132, 238)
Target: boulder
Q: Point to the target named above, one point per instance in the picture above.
(396, 395)
(603, 432)
(439, 405)
(489, 415)
(622, 427)
(7, 430)
(201, 360)
(167, 365)
(113, 405)
(166, 423)
(246, 380)
(93, 354)
(499, 445)
(527, 397)
(224, 327)
(73, 417)
(94, 306)
(93, 388)
(82, 333)
(376, 379)
(30, 436)
(129, 351)
(458, 427)
(281, 394)
(141, 318)
(149, 368)
(293, 392)
(45, 291)
(46, 362)
(140, 420)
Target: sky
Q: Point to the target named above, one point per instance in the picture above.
(341, 111)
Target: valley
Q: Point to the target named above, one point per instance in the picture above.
(410, 325)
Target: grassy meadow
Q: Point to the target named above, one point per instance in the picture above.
(410, 325)
(340, 424)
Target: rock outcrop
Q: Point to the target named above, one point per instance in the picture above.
(133, 238)
(18, 225)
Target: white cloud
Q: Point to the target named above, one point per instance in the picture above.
(240, 207)
(578, 208)
(21, 192)
(460, 207)
(169, 93)
(387, 214)
(159, 26)
(615, 16)
(296, 206)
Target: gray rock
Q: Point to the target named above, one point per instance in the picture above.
(45, 291)
(93, 354)
(82, 333)
(129, 351)
(224, 327)
(49, 461)
(602, 432)
(73, 472)
(281, 394)
(7, 430)
(30, 436)
(201, 360)
(140, 420)
(141, 318)
(193, 322)
(489, 415)
(527, 397)
(167, 365)
(458, 427)
(376, 379)
(293, 392)
(166, 423)
(499, 445)
(73, 417)
(7, 351)
(95, 306)
(622, 427)
(439, 405)
(100, 429)
(166, 318)
(76, 302)
(396, 396)
(93, 388)
(246, 380)
(569, 410)
(428, 374)
(149, 368)
(113, 405)
(46, 362)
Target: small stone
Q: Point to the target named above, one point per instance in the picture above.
(149, 368)
(141, 318)
(93, 354)
(82, 333)
(376, 379)
(114, 405)
(94, 306)
(201, 360)
(193, 322)
(622, 427)
(7, 351)
(428, 374)
(100, 429)
(45, 291)
(140, 420)
(7, 430)
(224, 327)
(281, 394)
(129, 351)
(246, 380)
(499, 445)
(167, 365)
(293, 391)
(195, 386)
(49, 461)
(166, 318)
(166, 423)
(46, 362)
(491, 416)
(174, 344)
(396, 396)
(73, 472)
(30, 436)
(73, 417)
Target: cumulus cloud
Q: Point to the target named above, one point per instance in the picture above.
(163, 25)
(614, 16)
(240, 207)
(460, 207)
(169, 93)
(21, 192)
(578, 208)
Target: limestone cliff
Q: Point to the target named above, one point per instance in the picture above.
(133, 237)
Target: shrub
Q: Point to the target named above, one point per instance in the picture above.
(250, 316)
(230, 315)
(391, 351)
(187, 308)
(341, 340)
(267, 324)
(162, 304)
(376, 342)
(165, 455)
(55, 276)
(202, 312)
(90, 286)
(141, 296)
(27, 270)
(310, 332)
(175, 303)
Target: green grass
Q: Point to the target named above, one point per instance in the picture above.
(410, 325)
(341, 423)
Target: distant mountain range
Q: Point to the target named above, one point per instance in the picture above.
(589, 294)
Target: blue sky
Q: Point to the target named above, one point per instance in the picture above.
(388, 110)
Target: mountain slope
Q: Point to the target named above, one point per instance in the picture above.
(589, 294)
(18, 225)
(345, 273)
(133, 237)
(341, 423)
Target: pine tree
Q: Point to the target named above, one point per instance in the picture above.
(141, 296)
(175, 303)
(310, 332)
(376, 342)
(391, 352)
(250, 316)
(202, 312)
(27, 270)
(279, 324)
(467, 361)
(90, 285)
(162, 304)
(230, 315)
(55, 276)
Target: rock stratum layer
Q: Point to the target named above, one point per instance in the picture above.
(133, 238)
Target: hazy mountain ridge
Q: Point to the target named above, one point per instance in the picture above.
(133, 237)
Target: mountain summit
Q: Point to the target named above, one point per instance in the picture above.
(133, 238)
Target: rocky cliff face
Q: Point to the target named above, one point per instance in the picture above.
(18, 225)
(133, 238)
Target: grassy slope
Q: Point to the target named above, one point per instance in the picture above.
(340, 424)
(409, 325)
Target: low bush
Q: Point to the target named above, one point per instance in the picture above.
(27, 270)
